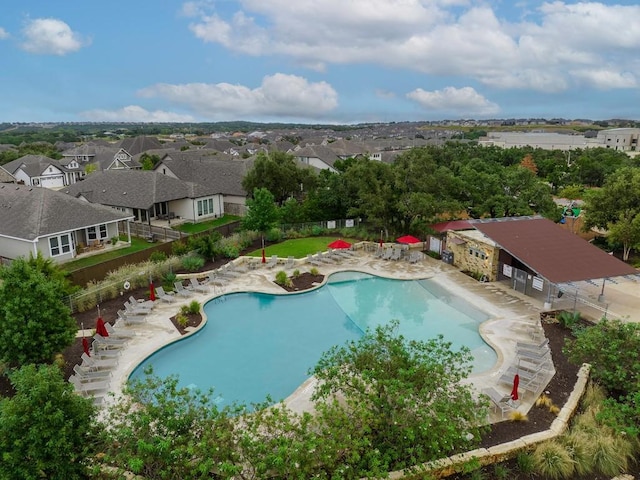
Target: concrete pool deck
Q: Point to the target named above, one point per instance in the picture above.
(512, 316)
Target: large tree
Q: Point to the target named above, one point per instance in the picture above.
(262, 212)
(616, 207)
(36, 324)
(46, 430)
(404, 400)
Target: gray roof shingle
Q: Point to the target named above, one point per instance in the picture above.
(31, 212)
(136, 188)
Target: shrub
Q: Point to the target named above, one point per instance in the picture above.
(192, 263)
(501, 472)
(168, 279)
(525, 463)
(435, 255)
(610, 455)
(194, 307)
(184, 309)
(544, 401)
(158, 257)
(114, 240)
(179, 248)
(518, 416)
(296, 273)
(594, 395)
(182, 320)
(273, 235)
(316, 231)
(281, 277)
(314, 271)
(578, 444)
(553, 460)
(568, 319)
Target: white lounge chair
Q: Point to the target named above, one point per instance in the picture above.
(228, 270)
(214, 279)
(108, 342)
(88, 387)
(130, 318)
(272, 262)
(96, 363)
(499, 401)
(325, 258)
(290, 263)
(180, 290)
(133, 310)
(117, 332)
(197, 286)
(396, 254)
(312, 260)
(146, 304)
(85, 374)
(162, 295)
(541, 346)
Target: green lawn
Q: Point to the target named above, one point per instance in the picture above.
(298, 247)
(137, 244)
(189, 227)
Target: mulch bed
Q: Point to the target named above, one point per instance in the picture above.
(304, 281)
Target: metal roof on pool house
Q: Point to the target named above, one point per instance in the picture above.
(552, 252)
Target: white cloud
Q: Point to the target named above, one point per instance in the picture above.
(3, 34)
(606, 79)
(50, 36)
(134, 113)
(437, 37)
(464, 101)
(279, 95)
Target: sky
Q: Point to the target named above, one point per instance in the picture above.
(317, 61)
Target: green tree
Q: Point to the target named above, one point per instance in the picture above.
(149, 161)
(262, 213)
(611, 347)
(405, 397)
(616, 206)
(46, 430)
(160, 431)
(36, 324)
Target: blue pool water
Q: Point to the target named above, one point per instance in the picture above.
(255, 345)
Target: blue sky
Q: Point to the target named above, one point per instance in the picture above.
(317, 61)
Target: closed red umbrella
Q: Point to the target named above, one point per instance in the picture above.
(100, 328)
(264, 259)
(339, 244)
(85, 346)
(514, 391)
(408, 239)
(152, 292)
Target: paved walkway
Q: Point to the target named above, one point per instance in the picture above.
(512, 315)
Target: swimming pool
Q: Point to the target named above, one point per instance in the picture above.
(255, 345)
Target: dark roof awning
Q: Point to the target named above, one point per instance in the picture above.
(552, 252)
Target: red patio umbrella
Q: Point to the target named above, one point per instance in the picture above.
(152, 291)
(85, 342)
(514, 391)
(339, 244)
(264, 259)
(100, 328)
(408, 239)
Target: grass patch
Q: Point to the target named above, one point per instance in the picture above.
(189, 227)
(137, 244)
(298, 247)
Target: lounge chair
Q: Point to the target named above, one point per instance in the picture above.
(87, 375)
(325, 258)
(197, 286)
(88, 387)
(108, 342)
(379, 252)
(134, 310)
(312, 260)
(96, 363)
(529, 381)
(536, 347)
(146, 304)
(228, 270)
(240, 268)
(214, 279)
(533, 354)
(180, 290)
(396, 254)
(104, 354)
(290, 263)
(387, 254)
(273, 261)
(499, 401)
(131, 318)
(117, 332)
(162, 295)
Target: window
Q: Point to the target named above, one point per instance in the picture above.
(60, 245)
(99, 233)
(205, 207)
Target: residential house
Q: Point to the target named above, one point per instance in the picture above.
(103, 157)
(139, 144)
(222, 175)
(318, 156)
(6, 177)
(42, 220)
(147, 195)
(41, 171)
